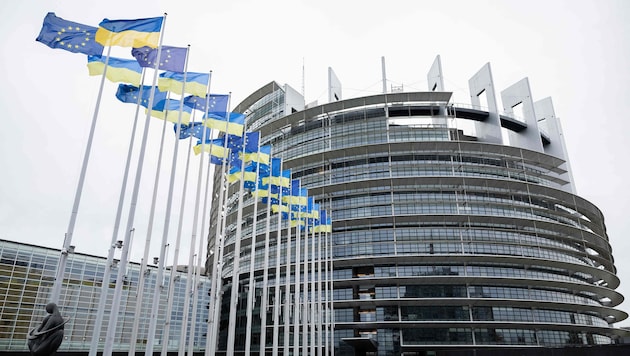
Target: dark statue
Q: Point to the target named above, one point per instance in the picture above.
(46, 338)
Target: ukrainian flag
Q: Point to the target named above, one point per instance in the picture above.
(249, 175)
(169, 111)
(233, 124)
(263, 191)
(325, 223)
(214, 147)
(130, 33)
(282, 180)
(196, 83)
(275, 208)
(262, 156)
(118, 70)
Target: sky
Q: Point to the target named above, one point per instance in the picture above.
(575, 51)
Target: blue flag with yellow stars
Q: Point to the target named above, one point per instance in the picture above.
(171, 58)
(217, 103)
(130, 93)
(71, 36)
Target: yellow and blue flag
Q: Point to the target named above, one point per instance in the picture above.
(216, 148)
(277, 176)
(130, 33)
(262, 155)
(118, 70)
(265, 190)
(171, 58)
(217, 103)
(325, 222)
(130, 94)
(297, 196)
(170, 109)
(196, 83)
(70, 36)
(233, 125)
(249, 176)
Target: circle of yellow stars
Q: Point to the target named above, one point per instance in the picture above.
(65, 32)
(165, 60)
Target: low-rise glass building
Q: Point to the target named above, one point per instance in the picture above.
(27, 273)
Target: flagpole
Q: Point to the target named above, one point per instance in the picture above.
(297, 284)
(306, 301)
(96, 334)
(184, 323)
(265, 291)
(322, 320)
(312, 302)
(252, 260)
(147, 244)
(200, 257)
(193, 239)
(167, 218)
(109, 345)
(330, 281)
(122, 268)
(109, 341)
(237, 256)
(113, 245)
(276, 302)
(203, 229)
(327, 321)
(287, 288)
(219, 240)
(67, 240)
(305, 284)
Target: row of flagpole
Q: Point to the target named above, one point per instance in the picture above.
(303, 308)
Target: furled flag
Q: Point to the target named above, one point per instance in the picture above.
(171, 58)
(118, 70)
(170, 109)
(233, 125)
(129, 94)
(130, 33)
(194, 129)
(196, 83)
(70, 36)
(217, 103)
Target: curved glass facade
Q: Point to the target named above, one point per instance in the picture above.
(26, 278)
(439, 239)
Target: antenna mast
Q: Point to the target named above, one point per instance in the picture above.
(303, 90)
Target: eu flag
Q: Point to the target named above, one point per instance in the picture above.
(194, 129)
(129, 94)
(217, 103)
(70, 36)
(171, 58)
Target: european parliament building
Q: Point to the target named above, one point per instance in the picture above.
(454, 226)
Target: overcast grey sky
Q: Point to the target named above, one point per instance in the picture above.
(575, 51)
